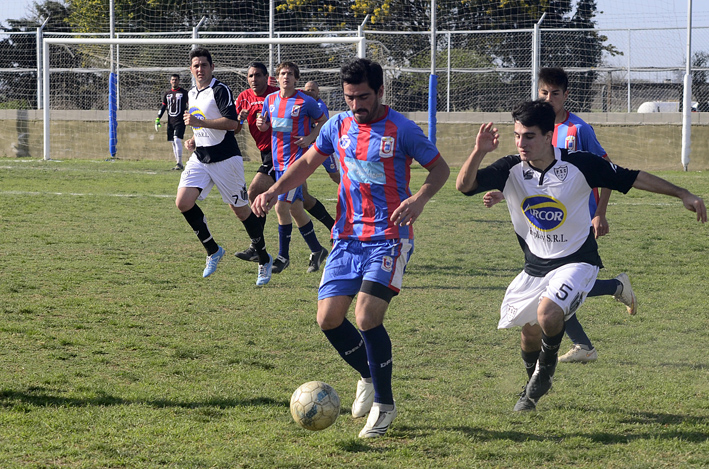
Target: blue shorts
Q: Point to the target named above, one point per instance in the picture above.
(330, 164)
(293, 194)
(351, 262)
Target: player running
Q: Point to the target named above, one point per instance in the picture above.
(547, 190)
(373, 234)
(290, 114)
(216, 161)
(175, 102)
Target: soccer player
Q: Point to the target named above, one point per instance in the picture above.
(290, 114)
(573, 134)
(216, 161)
(249, 105)
(548, 189)
(175, 102)
(373, 234)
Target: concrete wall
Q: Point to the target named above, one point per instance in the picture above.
(643, 141)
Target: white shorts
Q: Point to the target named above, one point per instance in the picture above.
(227, 175)
(567, 286)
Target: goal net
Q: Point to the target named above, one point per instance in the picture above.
(77, 77)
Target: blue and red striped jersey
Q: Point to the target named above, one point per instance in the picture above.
(574, 134)
(289, 117)
(375, 170)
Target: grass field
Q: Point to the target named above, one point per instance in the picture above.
(117, 353)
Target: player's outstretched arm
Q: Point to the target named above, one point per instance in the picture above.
(487, 140)
(411, 208)
(651, 183)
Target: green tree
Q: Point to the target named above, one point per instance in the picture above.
(19, 52)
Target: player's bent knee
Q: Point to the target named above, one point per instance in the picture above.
(243, 212)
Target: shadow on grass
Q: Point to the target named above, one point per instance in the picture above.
(674, 427)
(37, 396)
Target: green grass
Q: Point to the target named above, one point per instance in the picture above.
(116, 353)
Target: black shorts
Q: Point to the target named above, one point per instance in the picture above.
(267, 164)
(177, 130)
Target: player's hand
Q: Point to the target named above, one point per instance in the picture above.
(302, 141)
(157, 124)
(600, 226)
(261, 123)
(407, 213)
(695, 204)
(488, 139)
(187, 118)
(493, 197)
(189, 144)
(243, 114)
(263, 203)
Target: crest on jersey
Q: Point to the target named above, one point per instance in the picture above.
(386, 150)
(528, 174)
(344, 142)
(295, 112)
(195, 111)
(570, 143)
(272, 108)
(387, 263)
(561, 172)
(544, 212)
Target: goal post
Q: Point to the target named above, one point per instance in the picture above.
(357, 41)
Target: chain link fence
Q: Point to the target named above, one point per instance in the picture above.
(478, 71)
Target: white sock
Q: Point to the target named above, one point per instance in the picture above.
(177, 149)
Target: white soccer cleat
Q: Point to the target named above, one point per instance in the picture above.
(626, 296)
(378, 422)
(364, 399)
(579, 354)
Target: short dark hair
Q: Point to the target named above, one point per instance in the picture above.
(535, 113)
(201, 52)
(555, 77)
(292, 66)
(175, 75)
(360, 71)
(259, 66)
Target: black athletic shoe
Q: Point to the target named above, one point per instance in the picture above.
(540, 382)
(279, 264)
(178, 167)
(249, 255)
(317, 258)
(525, 403)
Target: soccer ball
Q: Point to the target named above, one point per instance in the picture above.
(315, 405)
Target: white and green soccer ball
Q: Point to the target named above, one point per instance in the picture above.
(315, 405)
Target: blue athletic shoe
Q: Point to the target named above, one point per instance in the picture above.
(264, 272)
(212, 262)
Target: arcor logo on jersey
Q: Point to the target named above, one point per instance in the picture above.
(386, 150)
(344, 142)
(198, 114)
(544, 212)
(570, 143)
(295, 112)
